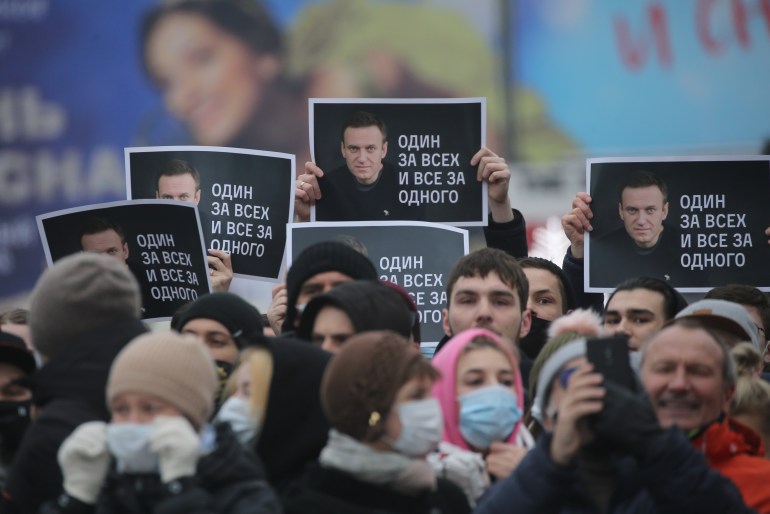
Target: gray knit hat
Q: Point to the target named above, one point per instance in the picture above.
(170, 366)
(77, 294)
(552, 366)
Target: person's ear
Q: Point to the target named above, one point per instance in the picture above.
(665, 210)
(445, 322)
(384, 149)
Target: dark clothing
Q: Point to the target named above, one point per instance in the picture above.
(573, 270)
(615, 258)
(229, 480)
(344, 199)
(69, 390)
(295, 428)
(331, 491)
(671, 478)
(510, 236)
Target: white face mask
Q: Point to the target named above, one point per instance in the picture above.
(236, 412)
(422, 425)
(129, 443)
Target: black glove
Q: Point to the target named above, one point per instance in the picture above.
(628, 423)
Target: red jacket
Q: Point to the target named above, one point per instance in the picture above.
(738, 453)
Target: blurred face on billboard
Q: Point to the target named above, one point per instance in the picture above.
(210, 79)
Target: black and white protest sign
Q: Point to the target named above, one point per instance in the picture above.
(160, 241)
(245, 198)
(415, 255)
(421, 171)
(695, 223)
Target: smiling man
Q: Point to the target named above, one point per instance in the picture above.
(690, 378)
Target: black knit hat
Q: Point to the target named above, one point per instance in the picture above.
(369, 305)
(14, 351)
(319, 258)
(242, 320)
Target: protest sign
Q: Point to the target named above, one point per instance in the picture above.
(159, 241)
(421, 172)
(245, 198)
(695, 222)
(417, 256)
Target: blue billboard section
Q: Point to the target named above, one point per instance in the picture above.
(650, 77)
(68, 97)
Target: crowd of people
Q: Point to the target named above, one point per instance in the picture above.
(325, 403)
(337, 410)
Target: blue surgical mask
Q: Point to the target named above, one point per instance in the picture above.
(488, 414)
(421, 427)
(129, 443)
(236, 412)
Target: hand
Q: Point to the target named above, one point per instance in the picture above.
(767, 233)
(177, 445)
(582, 398)
(494, 170)
(84, 459)
(628, 423)
(503, 458)
(307, 191)
(221, 270)
(276, 313)
(577, 221)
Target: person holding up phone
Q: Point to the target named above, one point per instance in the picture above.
(603, 451)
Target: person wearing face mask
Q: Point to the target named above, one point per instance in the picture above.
(157, 453)
(376, 393)
(16, 363)
(550, 297)
(274, 406)
(226, 323)
(482, 399)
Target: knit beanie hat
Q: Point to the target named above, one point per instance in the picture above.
(369, 305)
(361, 382)
(571, 350)
(242, 320)
(319, 258)
(80, 293)
(170, 366)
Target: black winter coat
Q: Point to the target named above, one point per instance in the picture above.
(68, 391)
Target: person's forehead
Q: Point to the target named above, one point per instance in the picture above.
(362, 135)
(327, 277)
(692, 345)
(484, 358)
(108, 235)
(176, 180)
(541, 279)
(489, 284)
(637, 300)
(642, 196)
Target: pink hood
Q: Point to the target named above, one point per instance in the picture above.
(445, 389)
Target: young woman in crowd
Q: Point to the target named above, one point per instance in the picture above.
(376, 393)
(750, 404)
(482, 399)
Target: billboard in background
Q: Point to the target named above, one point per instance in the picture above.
(561, 78)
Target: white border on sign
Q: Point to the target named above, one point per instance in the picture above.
(121, 203)
(222, 149)
(423, 101)
(610, 160)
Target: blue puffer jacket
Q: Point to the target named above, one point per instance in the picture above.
(672, 478)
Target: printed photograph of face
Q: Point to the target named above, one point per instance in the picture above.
(643, 207)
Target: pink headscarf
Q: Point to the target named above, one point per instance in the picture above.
(445, 388)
